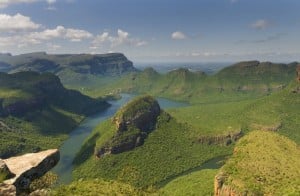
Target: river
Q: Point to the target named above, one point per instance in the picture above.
(76, 138)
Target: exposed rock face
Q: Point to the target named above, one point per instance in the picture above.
(222, 190)
(7, 189)
(221, 139)
(297, 89)
(29, 167)
(298, 72)
(133, 123)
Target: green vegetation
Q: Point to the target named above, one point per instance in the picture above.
(168, 151)
(174, 148)
(44, 182)
(197, 183)
(241, 98)
(264, 163)
(242, 81)
(276, 112)
(3, 176)
(98, 187)
(138, 105)
(84, 72)
(37, 112)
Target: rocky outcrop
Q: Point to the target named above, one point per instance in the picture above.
(133, 124)
(221, 139)
(28, 167)
(297, 88)
(298, 72)
(220, 189)
(7, 189)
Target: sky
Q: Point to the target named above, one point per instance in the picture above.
(155, 30)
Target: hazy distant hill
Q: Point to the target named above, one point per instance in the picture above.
(104, 64)
(236, 82)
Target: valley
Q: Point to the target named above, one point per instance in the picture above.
(174, 136)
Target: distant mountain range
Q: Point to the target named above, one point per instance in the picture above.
(104, 64)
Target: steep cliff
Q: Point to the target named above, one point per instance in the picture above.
(298, 72)
(104, 64)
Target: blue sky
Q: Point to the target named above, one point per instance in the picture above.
(155, 30)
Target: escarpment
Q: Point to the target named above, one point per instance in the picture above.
(298, 72)
(20, 171)
(111, 64)
(297, 88)
(226, 139)
(133, 123)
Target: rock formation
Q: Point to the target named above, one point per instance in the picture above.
(297, 88)
(26, 168)
(298, 72)
(222, 190)
(221, 139)
(133, 123)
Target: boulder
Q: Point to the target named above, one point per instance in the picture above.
(29, 167)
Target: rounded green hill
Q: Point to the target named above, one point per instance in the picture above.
(263, 163)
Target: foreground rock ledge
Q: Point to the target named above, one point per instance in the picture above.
(29, 167)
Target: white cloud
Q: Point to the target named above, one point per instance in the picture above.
(33, 38)
(6, 3)
(74, 35)
(122, 38)
(260, 24)
(17, 22)
(53, 47)
(51, 1)
(178, 35)
(17, 40)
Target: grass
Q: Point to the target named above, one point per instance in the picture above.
(98, 187)
(199, 183)
(274, 112)
(259, 167)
